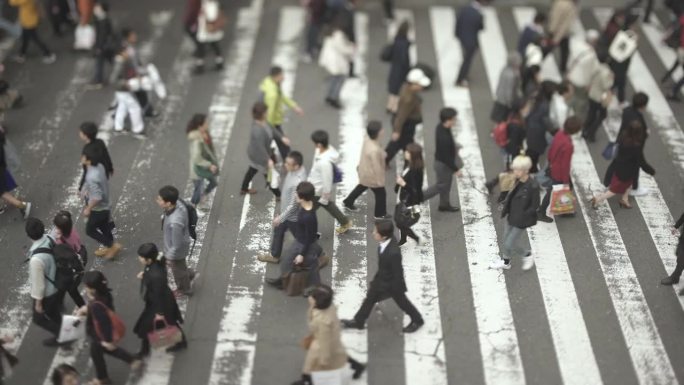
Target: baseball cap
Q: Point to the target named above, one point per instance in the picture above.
(417, 76)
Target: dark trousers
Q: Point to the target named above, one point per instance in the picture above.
(279, 237)
(620, 83)
(51, 318)
(282, 147)
(445, 177)
(468, 55)
(59, 15)
(388, 7)
(98, 227)
(97, 352)
(564, 45)
(333, 210)
(312, 39)
(380, 198)
(251, 171)
(286, 263)
(28, 34)
(534, 156)
(181, 274)
(193, 37)
(406, 232)
(408, 131)
(100, 59)
(677, 273)
(76, 295)
(375, 296)
(197, 192)
(214, 46)
(670, 71)
(597, 113)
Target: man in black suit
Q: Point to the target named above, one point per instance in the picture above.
(388, 281)
(469, 23)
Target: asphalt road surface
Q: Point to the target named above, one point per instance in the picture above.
(592, 311)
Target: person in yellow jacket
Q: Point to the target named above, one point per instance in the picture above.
(29, 19)
(271, 94)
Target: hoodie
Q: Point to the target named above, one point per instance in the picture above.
(321, 175)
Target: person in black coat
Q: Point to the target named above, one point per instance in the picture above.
(410, 185)
(388, 281)
(635, 112)
(469, 23)
(400, 63)
(160, 302)
(105, 42)
(538, 123)
(520, 209)
(677, 273)
(447, 161)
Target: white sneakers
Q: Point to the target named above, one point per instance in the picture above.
(527, 262)
(641, 191)
(499, 264)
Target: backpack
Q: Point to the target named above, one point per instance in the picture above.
(337, 173)
(192, 223)
(672, 37)
(69, 266)
(118, 326)
(500, 134)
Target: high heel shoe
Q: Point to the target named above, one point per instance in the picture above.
(594, 204)
(624, 204)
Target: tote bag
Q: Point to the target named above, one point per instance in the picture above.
(164, 336)
(623, 46)
(72, 329)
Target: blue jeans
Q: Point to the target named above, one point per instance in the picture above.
(511, 242)
(197, 192)
(336, 83)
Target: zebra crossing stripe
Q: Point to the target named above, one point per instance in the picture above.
(233, 360)
(501, 359)
(350, 281)
(654, 34)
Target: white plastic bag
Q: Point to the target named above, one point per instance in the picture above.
(84, 37)
(72, 329)
(331, 377)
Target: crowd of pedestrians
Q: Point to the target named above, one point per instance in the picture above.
(534, 124)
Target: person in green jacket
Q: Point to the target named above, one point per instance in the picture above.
(271, 94)
(203, 160)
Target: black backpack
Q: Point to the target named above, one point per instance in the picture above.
(68, 263)
(192, 223)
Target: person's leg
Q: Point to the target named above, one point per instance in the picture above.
(354, 194)
(211, 185)
(196, 191)
(283, 148)
(96, 221)
(97, 355)
(181, 274)
(25, 37)
(121, 354)
(332, 208)
(402, 235)
(388, 7)
(380, 201)
(275, 191)
(48, 320)
(411, 234)
(105, 228)
(590, 122)
(99, 68)
(40, 44)
(76, 296)
(468, 55)
(251, 171)
(601, 197)
(677, 273)
(278, 238)
(121, 110)
(391, 150)
(372, 297)
(510, 242)
(545, 201)
(564, 53)
(287, 259)
(649, 9)
(670, 71)
(407, 307)
(135, 110)
(445, 178)
(677, 87)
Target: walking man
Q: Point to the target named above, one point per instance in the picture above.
(388, 281)
(561, 18)
(272, 96)
(287, 219)
(322, 177)
(469, 23)
(95, 192)
(175, 227)
(29, 18)
(447, 161)
(371, 171)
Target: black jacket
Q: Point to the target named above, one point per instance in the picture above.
(446, 150)
(105, 39)
(390, 276)
(516, 136)
(537, 123)
(412, 193)
(521, 204)
(629, 115)
(469, 23)
(628, 161)
(400, 65)
(158, 299)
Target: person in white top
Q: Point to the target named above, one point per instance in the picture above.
(580, 69)
(210, 24)
(335, 57)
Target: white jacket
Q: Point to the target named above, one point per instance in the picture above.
(209, 13)
(321, 175)
(582, 66)
(336, 54)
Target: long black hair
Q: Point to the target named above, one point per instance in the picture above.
(64, 223)
(96, 280)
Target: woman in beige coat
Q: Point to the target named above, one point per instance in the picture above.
(371, 171)
(325, 351)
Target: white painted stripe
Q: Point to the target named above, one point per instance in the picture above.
(498, 340)
(574, 353)
(424, 356)
(524, 16)
(233, 360)
(349, 282)
(653, 207)
(654, 34)
(491, 40)
(15, 318)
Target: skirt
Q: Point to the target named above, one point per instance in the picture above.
(618, 186)
(7, 184)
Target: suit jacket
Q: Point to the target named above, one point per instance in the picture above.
(468, 24)
(390, 276)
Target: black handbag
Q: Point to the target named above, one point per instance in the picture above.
(404, 216)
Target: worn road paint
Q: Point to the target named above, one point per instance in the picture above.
(501, 359)
(654, 34)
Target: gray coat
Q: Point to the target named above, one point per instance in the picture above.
(508, 89)
(176, 235)
(259, 148)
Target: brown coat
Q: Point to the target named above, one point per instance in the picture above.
(326, 351)
(371, 167)
(561, 17)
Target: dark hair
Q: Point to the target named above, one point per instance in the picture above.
(639, 100)
(320, 137)
(196, 122)
(35, 229)
(92, 154)
(403, 30)
(572, 125)
(416, 151)
(633, 135)
(62, 371)
(447, 113)
(373, 129)
(259, 110)
(384, 227)
(149, 251)
(63, 222)
(296, 156)
(563, 87)
(94, 279)
(306, 191)
(276, 70)
(540, 17)
(169, 194)
(89, 129)
(322, 296)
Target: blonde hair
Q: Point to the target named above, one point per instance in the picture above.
(521, 162)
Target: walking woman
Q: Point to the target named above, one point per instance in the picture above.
(336, 56)
(410, 185)
(325, 350)
(259, 149)
(400, 63)
(203, 161)
(520, 209)
(100, 328)
(160, 303)
(625, 167)
(7, 183)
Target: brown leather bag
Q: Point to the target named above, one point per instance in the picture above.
(295, 282)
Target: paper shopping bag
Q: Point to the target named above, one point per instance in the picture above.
(562, 200)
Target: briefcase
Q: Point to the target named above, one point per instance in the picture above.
(295, 282)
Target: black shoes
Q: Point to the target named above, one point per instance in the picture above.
(449, 209)
(351, 324)
(544, 218)
(358, 369)
(413, 326)
(275, 282)
(669, 281)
